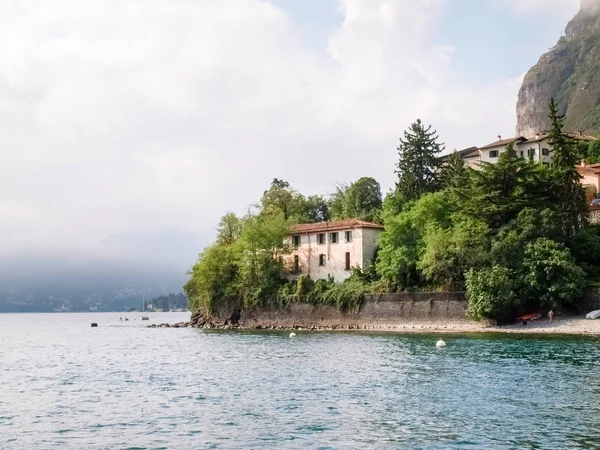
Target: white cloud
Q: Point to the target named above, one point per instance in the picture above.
(566, 8)
(153, 115)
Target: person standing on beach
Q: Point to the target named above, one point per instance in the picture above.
(550, 316)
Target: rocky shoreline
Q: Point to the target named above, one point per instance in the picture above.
(569, 325)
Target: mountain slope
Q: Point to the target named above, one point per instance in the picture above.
(570, 73)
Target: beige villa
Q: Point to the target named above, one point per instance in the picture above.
(331, 248)
(537, 148)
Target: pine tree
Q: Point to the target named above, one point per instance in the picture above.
(418, 163)
(453, 173)
(566, 179)
(497, 192)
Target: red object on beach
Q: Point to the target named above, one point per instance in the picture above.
(528, 317)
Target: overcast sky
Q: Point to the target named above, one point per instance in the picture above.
(129, 127)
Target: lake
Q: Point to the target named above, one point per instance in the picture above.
(122, 385)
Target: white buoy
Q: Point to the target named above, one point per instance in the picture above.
(440, 344)
(292, 334)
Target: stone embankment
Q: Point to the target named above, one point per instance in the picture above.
(379, 312)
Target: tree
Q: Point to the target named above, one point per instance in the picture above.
(402, 243)
(280, 198)
(260, 249)
(213, 279)
(337, 201)
(497, 192)
(568, 190)
(491, 294)
(454, 174)
(418, 162)
(316, 209)
(359, 200)
(229, 229)
(450, 252)
(551, 273)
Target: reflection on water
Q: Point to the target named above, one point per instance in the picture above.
(121, 385)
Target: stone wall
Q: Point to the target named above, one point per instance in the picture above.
(378, 311)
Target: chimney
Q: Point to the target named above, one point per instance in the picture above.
(537, 136)
(499, 137)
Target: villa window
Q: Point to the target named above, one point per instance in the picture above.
(296, 264)
(334, 238)
(531, 153)
(348, 236)
(347, 260)
(546, 164)
(545, 152)
(494, 153)
(321, 259)
(296, 241)
(321, 238)
(522, 153)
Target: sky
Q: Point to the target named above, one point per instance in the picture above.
(129, 128)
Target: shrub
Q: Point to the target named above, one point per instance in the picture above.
(491, 294)
(551, 274)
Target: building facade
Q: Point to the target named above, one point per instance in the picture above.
(537, 149)
(590, 175)
(331, 249)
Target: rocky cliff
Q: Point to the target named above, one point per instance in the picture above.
(570, 72)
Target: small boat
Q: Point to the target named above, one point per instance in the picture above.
(145, 318)
(593, 314)
(528, 317)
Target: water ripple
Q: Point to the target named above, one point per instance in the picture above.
(67, 385)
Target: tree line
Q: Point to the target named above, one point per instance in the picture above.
(513, 235)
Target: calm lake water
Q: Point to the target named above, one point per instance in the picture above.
(121, 385)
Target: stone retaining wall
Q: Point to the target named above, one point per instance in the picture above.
(378, 311)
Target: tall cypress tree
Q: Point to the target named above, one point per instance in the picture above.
(454, 174)
(418, 163)
(566, 179)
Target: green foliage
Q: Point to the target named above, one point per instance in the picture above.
(281, 199)
(418, 162)
(450, 252)
(213, 279)
(569, 194)
(359, 200)
(402, 243)
(348, 296)
(497, 192)
(491, 293)
(229, 229)
(551, 274)
(454, 174)
(260, 248)
(585, 248)
(315, 209)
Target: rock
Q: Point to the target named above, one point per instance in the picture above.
(258, 327)
(568, 73)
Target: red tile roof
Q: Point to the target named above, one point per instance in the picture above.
(337, 225)
(503, 142)
(466, 153)
(540, 137)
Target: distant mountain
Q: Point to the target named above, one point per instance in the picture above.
(42, 285)
(570, 72)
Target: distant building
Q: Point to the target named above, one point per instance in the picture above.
(590, 174)
(332, 248)
(537, 149)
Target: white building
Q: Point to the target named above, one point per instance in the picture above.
(332, 248)
(537, 148)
